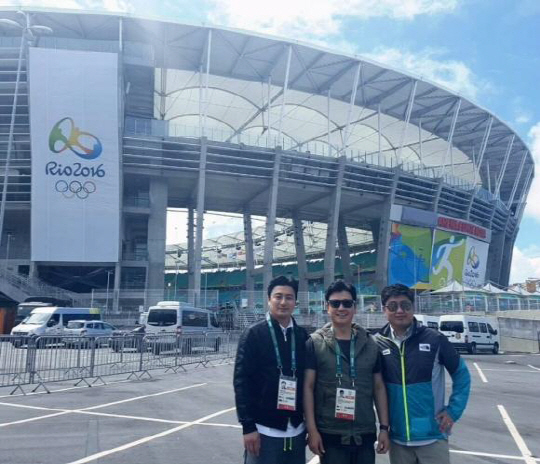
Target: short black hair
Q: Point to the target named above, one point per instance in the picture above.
(284, 282)
(340, 286)
(396, 290)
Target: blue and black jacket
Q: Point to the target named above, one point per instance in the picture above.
(414, 377)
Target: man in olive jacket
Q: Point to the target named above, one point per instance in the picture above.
(268, 379)
(342, 379)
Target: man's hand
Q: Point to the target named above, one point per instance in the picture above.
(383, 442)
(252, 443)
(445, 422)
(315, 443)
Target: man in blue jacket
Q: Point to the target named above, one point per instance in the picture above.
(413, 360)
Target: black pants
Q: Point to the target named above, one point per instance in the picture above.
(336, 453)
(279, 451)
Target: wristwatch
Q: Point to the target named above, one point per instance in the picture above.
(386, 428)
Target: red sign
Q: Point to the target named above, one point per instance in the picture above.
(457, 225)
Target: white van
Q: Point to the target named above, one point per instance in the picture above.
(428, 321)
(179, 318)
(52, 320)
(471, 333)
(168, 319)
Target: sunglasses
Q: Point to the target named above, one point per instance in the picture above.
(404, 305)
(347, 304)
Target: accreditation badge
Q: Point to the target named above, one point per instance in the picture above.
(287, 393)
(345, 403)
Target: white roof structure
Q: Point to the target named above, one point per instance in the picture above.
(246, 87)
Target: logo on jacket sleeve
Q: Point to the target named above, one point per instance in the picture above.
(424, 347)
(386, 352)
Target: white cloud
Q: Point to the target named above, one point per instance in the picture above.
(525, 264)
(309, 19)
(533, 200)
(431, 64)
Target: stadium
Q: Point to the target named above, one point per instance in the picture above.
(337, 166)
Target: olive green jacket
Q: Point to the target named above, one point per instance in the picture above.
(366, 353)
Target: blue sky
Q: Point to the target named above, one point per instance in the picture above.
(487, 50)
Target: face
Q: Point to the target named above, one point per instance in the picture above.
(341, 316)
(400, 319)
(282, 302)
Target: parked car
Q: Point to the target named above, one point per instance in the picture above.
(80, 332)
(50, 323)
(124, 340)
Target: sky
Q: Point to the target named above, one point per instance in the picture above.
(486, 50)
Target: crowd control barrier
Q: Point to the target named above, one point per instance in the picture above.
(37, 361)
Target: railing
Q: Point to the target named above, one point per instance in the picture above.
(159, 128)
(38, 361)
(33, 286)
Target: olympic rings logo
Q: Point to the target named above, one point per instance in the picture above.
(75, 188)
(65, 135)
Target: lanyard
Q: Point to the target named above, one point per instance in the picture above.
(339, 366)
(276, 349)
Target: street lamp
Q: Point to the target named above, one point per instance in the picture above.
(9, 238)
(27, 31)
(107, 295)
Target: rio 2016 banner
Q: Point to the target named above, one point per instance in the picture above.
(75, 156)
(447, 259)
(410, 255)
(458, 257)
(474, 270)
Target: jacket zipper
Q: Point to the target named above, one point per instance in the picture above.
(404, 388)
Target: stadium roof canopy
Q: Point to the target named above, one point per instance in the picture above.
(243, 87)
(223, 79)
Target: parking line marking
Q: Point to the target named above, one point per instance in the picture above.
(512, 370)
(527, 455)
(27, 406)
(142, 397)
(141, 441)
(488, 455)
(124, 416)
(482, 376)
(532, 367)
(66, 389)
(315, 460)
(31, 419)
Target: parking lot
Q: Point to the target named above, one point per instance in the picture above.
(189, 417)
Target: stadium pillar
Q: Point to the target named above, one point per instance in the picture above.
(191, 245)
(201, 188)
(303, 289)
(250, 262)
(495, 256)
(344, 252)
(331, 231)
(157, 223)
(381, 234)
(506, 263)
(271, 222)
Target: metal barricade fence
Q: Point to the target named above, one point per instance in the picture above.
(40, 360)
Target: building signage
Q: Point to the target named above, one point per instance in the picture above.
(75, 156)
(463, 227)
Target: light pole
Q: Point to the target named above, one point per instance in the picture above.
(9, 237)
(27, 31)
(107, 295)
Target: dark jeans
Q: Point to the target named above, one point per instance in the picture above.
(336, 453)
(279, 451)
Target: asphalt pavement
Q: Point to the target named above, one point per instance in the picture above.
(189, 418)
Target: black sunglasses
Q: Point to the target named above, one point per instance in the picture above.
(403, 304)
(347, 304)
